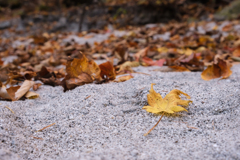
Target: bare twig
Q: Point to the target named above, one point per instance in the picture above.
(154, 126)
(45, 127)
(10, 109)
(87, 97)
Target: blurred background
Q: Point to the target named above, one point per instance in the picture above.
(33, 16)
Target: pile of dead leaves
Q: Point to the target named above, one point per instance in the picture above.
(209, 47)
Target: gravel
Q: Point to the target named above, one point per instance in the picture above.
(110, 123)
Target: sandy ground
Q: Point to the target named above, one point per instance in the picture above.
(110, 123)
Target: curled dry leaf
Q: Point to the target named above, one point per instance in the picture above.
(47, 77)
(31, 95)
(179, 69)
(169, 104)
(221, 69)
(151, 62)
(82, 79)
(121, 53)
(123, 78)
(192, 63)
(107, 71)
(236, 52)
(16, 92)
(141, 53)
(127, 67)
(79, 72)
(36, 86)
(77, 66)
(8, 94)
(23, 89)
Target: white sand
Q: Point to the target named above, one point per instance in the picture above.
(110, 124)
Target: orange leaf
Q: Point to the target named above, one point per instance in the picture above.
(77, 66)
(123, 78)
(79, 72)
(236, 52)
(221, 69)
(141, 53)
(107, 71)
(179, 69)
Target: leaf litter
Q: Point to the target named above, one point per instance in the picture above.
(51, 59)
(47, 58)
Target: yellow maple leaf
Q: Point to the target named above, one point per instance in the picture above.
(169, 104)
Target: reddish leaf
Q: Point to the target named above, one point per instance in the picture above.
(151, 62)
(107, 71)
(141, 53)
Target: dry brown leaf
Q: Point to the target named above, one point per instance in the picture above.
(107, 71)
(77, 66)
(23, 89)
(31, 95)
(83, 78)
(79, 72)
(4, 94)
(179, 69)
(221, 69)
(192, 63)
(121, 53)
(123, 78)
(127, 67)
(236, 52)
(141, 53)
(36, 86)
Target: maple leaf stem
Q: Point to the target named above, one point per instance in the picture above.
(154, 125)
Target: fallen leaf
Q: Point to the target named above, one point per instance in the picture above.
(192, 63)
(1, 62)
(79, 72)
(126, 67)
(4, 93)
(23, 89)
(236, 59)
(221, 69)
(77, 66)
(169, 104)
(71, 83)
(236, 52)
(31, 95)
(107, 71)
(179, 69)
(121, 53)
(36, 86)
(8, 93)
(151, 62)
(141, 53)
(123, 78)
